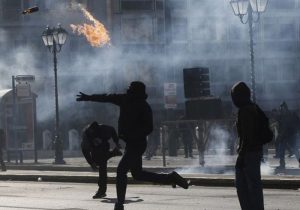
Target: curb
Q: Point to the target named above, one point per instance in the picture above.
(196, 181)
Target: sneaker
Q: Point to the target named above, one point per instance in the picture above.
(119, 206)
(178, 180)
(99, 194)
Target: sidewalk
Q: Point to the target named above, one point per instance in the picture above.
(218, 171)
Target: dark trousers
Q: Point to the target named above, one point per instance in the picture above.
(100, 156)
(3, 167)
(285, 143)
(248, 181)
(102, 180)
(187, 140)
(132, 160)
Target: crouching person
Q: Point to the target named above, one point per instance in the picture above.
(95, 148)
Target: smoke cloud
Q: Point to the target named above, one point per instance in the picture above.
(215, 39)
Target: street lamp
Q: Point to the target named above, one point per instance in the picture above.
(250, 9)
(54, 39)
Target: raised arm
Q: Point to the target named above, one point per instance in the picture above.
(108, 98)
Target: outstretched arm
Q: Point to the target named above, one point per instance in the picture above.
(82, 97)
(110, 98)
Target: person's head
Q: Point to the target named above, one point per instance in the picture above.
(92, 129)
(240, 94)
(283, 107)
(137, 89)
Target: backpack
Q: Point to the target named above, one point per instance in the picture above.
(264, 133)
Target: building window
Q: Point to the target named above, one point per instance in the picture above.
(271, 71)
(286, 31)
(279, 4)
(159, 5)
(11, 10)
(179, 28)
(137, 5)
(237, 33)
(204, 30)
(177, 4)
(137, 30)
(238, 72)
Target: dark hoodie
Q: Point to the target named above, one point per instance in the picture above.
(246, 120)
(135, 120)
(95, 145)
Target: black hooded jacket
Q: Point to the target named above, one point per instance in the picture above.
(96, 147)
(246, 119)
(135, 120)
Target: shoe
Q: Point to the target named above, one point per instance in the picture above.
(99, 194)
(291, 155)
(178, 180)
(119, 206)
(276, 156)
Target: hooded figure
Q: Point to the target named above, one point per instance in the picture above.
(247, 168)
(246, 122)
(288, 132)
(95, 148)
(134, 125)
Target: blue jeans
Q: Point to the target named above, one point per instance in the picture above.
(248, 181)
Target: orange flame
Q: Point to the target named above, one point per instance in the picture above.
(95, 33)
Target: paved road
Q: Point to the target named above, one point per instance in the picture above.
(72, 196)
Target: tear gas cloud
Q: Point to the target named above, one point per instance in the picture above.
(110, 69)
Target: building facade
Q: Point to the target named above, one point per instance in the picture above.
(156, 39)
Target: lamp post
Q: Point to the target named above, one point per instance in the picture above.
(54, 39)
(250, 9)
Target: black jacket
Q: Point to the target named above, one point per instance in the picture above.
(95, 149)
(135, 120)
(246, 120)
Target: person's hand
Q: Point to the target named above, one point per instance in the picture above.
(82, 97)
(94, 167)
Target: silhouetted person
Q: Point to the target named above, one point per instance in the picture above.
(95, 148)
(153, 143)
(247, 174)
(289, 124)
(2, 146)
(185, 131)
(274, 126)
(134, 125)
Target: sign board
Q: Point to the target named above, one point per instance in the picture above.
(170, 94)
(23, 90)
